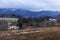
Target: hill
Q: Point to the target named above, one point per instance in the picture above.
(28, 13)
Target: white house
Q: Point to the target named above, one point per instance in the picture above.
(52, 19)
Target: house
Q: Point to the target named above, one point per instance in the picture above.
(7, 22)
(13, 27)
(52, 20)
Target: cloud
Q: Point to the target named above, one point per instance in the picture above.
(31, 4)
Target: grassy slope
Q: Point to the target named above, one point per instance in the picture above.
(52, 33)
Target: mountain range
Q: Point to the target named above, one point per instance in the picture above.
(28, 13)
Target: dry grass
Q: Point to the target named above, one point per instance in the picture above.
(52, 33)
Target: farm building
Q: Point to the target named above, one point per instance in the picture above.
(5, 23)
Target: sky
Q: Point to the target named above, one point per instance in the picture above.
(34, 5)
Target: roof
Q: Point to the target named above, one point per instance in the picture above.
(9, 19)
(52, 19)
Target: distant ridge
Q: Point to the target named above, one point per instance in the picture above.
(23, 12)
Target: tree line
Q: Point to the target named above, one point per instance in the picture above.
(35, 22)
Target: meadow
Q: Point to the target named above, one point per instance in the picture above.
(50, 33)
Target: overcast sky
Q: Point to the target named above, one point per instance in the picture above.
(31, 4)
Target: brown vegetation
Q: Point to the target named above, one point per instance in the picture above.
(52, 33)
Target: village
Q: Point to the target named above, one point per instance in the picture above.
(18, 23)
